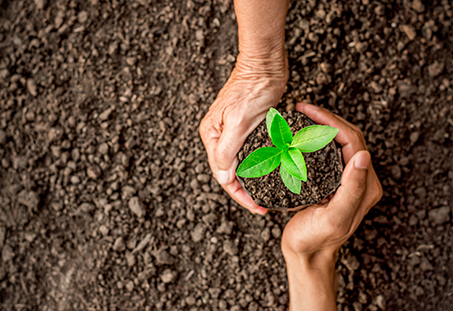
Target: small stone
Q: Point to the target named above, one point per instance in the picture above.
(3, 137)
(190, 301)
(396, 172)
(119, 245)
(198, 232)
(104, 230)
(40, 4)
(418, 6)
(31, 86)
(409, 31)
(136, 207)
(322, 78)
(94, 172)
(75, 179)
(226, 227)
(2, 235)
(130, 286)
(414, 137)
(82, 16)
(425, 265)
(7, 253)
(130, 259)
(405, 90)
(163, 257)
(199, 35)
(104, 148)
(439, 215)
(276, 232)
(435, 69)
(167, 276)
(230, 248)
(376, 87)
(105, 114)
(326, 67)
(413, 220)
(29, 199)
(266, 235)
(380, 302)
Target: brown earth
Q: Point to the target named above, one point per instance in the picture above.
(106, 198)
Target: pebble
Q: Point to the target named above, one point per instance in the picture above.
(29, 199)
(190, 301)
(130, 286)
(198, 232)
(230, 248)
(276, 232)
(418, 6)
(405, 90)
(167, 276)
(396, 172)
(2, 235)
(376, 87)
(409, 31)
(82, 16)
(94, 172)
(40, 4)
(143, 243)
(3, 137)
(103, 230)
(31, 86)
(425, 265)
(163, 257)
(136, 207)
(104, 148)
(7, 253)
(380, 302)
(435, 69)
(414, 137)
(130, 259)
(266, 235)
(439, 215)
(226, 227)
(119, 245)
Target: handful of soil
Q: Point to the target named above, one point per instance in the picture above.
(324, 170)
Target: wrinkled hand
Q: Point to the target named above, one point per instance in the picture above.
(323, 228)
(255, 85)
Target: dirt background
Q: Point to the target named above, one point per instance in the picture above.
(106, 198)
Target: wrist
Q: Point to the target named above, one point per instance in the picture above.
(273, 67)
(312, 281)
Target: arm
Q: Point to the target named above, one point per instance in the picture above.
(312, 238)
(255, 85)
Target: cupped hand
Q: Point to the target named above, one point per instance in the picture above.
(255, 85)
(323, 228)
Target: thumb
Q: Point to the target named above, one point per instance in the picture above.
(353, 185)
(229, 144)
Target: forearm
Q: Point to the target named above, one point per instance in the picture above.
(312, 283)
(261, 27)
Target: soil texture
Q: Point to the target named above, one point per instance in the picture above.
(324, 170)
(107, 201)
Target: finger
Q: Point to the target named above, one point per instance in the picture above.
(233, 187)
(235, 190)
(349, 196)
(349, 136)
(230, 142)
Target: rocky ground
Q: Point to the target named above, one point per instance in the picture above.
(106, 198)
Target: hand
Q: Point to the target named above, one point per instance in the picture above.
(313, 236)
(255, 85)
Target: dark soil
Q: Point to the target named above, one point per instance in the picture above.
(324, 168)
(106, 197)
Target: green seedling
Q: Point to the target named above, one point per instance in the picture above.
(287, 151)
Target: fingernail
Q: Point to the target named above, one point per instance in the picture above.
(362, 160)
(223, 177)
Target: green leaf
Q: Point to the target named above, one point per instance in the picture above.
(294, 162)
(270, 117)
(260, 162)
(292, 183)
(280, 133)
(314, 137)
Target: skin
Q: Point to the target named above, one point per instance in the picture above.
(312, 238)
(255, 85)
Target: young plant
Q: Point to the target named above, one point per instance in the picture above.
(287, 151)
